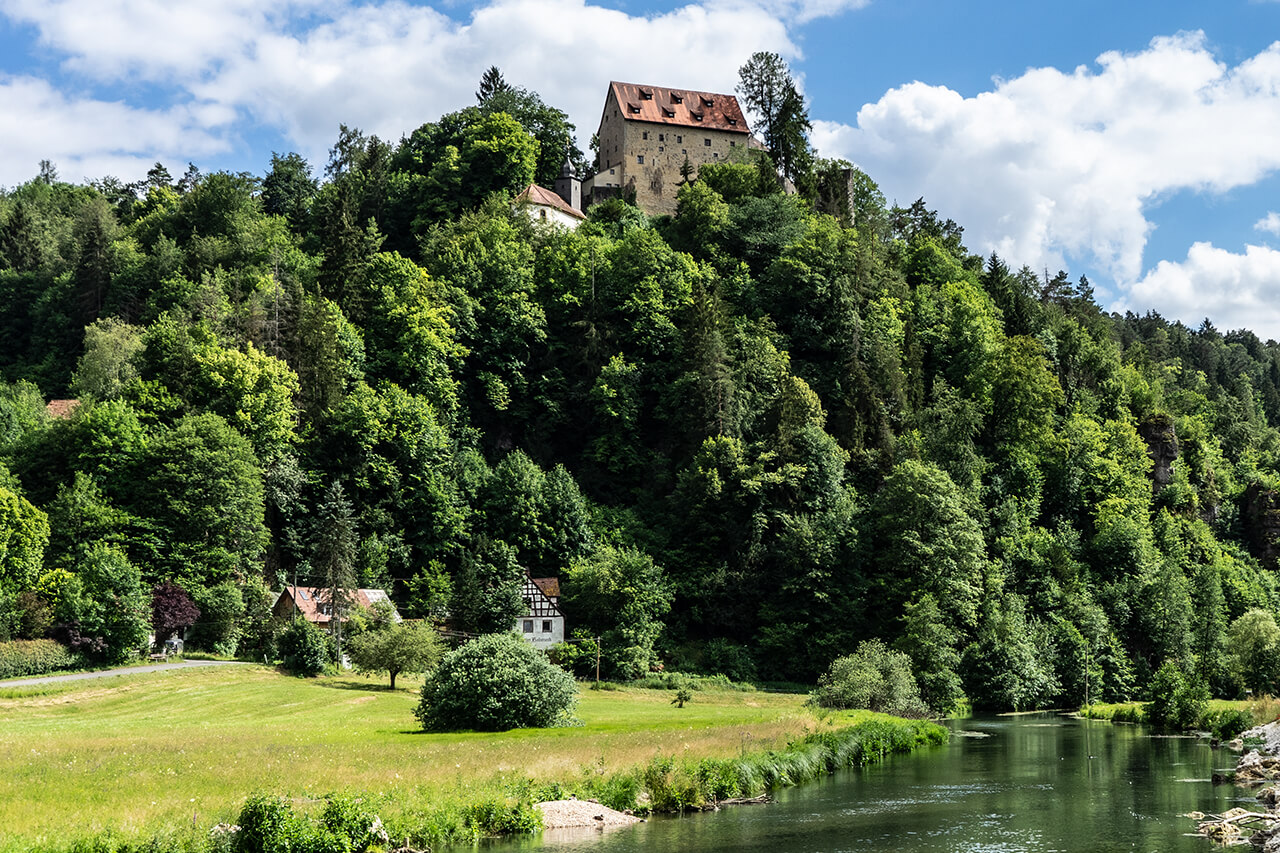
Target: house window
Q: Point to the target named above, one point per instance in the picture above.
(707, 142)
(542, 213)
(546, 626)
(528, 626)
(325, 609)
(640, 159)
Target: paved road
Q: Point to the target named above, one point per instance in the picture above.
(126, 670)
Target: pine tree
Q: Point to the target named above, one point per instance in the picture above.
(333, 556)
(491, 84)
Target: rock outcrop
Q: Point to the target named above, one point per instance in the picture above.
(1162, 446)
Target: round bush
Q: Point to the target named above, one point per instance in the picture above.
(304, 649)
(492, 684)
(874, 677)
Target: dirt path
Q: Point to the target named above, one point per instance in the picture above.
(124, 670)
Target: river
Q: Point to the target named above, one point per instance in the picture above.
(1028, 784)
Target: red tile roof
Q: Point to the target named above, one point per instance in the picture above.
(309, 599)
(683, 107)
(535, 194)
(62, 409)
(550, 586)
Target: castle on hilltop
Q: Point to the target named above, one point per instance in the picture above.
(647, 134)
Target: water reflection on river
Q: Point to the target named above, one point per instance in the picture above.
(1035, 784)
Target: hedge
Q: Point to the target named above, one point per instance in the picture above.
(35, 657)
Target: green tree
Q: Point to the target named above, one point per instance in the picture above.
(107, 366)
(112, 616)
(491, 83)
(930, 645)
(768, 90)
(407, 647)
(486, 588)
(24, 535)
(333, 557)
(874, 677)
(921, 538)
(493, 684)
(203, 491)
(1253, 641)
(621, 596)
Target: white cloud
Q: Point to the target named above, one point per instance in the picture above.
(1235, 291)
(88, 138)
(1269, 223)
(1053, 163)
(304, 66)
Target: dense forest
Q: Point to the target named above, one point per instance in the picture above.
(745, 437)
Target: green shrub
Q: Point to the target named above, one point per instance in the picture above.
(1177, 702)
(875, 678)
(35, 657)
(497, 817)
(730, 659)
(1227, 723)
(221, 612)
(269, 825)
(304, 648)
(495, 683)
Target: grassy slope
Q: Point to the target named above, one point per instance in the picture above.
(166, 748)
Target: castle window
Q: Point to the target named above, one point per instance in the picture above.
(640, 159)
(684, 150)
(644, 135)
(679, 139)
(707, 142)
(733, 143)
(661, 148)
(662, 137)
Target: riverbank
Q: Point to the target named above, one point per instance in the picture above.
(1223, 718)
(161, 758)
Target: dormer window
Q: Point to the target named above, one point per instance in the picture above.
(633, 108)
(646, 94)
(695, 116)
(733, 121)
(668, 113)
(677, 99)
(707, 102)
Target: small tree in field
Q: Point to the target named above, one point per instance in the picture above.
(401, 648)
(493, 684)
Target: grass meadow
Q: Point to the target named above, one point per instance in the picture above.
(178, 751)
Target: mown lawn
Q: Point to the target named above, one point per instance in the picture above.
(184, 747)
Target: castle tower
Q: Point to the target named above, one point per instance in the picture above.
(568, 187)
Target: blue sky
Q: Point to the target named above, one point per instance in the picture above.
(1135, 142)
